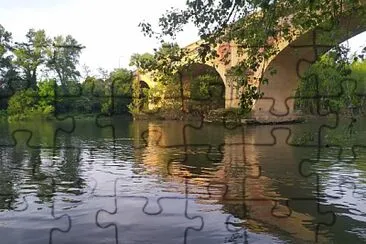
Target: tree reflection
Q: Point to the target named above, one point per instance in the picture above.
(41, 171)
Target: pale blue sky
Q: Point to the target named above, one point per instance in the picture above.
(108, 29)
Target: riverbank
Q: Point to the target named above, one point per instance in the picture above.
(219, 116)
(89, 116)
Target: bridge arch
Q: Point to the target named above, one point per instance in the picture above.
(295, 58)
(204, 87)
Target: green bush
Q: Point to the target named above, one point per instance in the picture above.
(21, 104)
(27, 104)
(332, 84)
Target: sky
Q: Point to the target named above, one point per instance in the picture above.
(108, 29)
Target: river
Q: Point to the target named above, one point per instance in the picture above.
(123, 181)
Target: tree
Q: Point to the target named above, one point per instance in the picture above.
(93, 94)
(329, 84)
(254, 25)
(63, 56)
(121, 82)
(87, 71)
(30, 55)
(7, 71)
(141, 61)
(119, 94)
(103, 73)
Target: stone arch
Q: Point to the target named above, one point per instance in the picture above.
(293, 60)
(143, 84)
(212, 94)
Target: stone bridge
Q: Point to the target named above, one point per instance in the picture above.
(292, 60)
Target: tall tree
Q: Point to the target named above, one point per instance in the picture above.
(141, 61)
(31, 54)
(119, 93)
(7, 71)
(86, 71)
(63, 58)
(122, 82)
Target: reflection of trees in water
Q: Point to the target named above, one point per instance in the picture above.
(7, 192)
(25, 170)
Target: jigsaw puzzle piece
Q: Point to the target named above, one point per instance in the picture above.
(133, 213)
(233, 154)
(292, 62)
(41, 134)
(249, 170)
(10, 172)
(249, 220)
(39, 207)
(13, 232)
(81, 205)
(26, 169)
(348, 205)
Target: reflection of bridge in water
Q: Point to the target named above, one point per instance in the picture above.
(244, 178)
(245, 181)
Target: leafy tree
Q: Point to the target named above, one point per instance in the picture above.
(93, 89)
(29, 103)
(122, 82)
(47, 93)
(141, 61)
(8, 74)
(63, 57)
(87, 71)
(31, 54)
(103, 73)
(119, 94)
(329, 84)
(21, 104)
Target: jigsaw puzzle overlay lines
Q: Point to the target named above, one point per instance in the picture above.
(181, 184)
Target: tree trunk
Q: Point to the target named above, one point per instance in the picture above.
(182, 91)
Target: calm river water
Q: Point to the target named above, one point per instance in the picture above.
(166, 182)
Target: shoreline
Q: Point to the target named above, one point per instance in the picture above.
(228, 117)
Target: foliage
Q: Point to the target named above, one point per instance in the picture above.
(121, 81)
(63, 57)
(31, 54)
(359, 73)
(135, 106)
(207, 85)
(46, 93)
(141, 61)
(168, 64)
(207, 91)
(118, 91)
(332, 84)
(7, 70)
(26, 104)
(25, 95)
